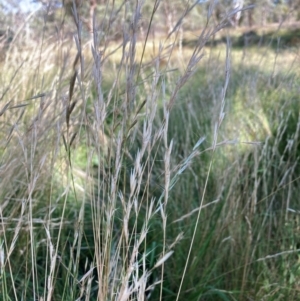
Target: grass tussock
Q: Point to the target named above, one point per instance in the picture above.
(138, 169)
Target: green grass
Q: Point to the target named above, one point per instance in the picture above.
(176, 176)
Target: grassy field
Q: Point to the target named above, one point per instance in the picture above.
(151, 169)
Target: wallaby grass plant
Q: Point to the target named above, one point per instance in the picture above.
(118, 176)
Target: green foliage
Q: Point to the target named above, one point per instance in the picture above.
(102, 178)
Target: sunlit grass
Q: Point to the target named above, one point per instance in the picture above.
(171, 168)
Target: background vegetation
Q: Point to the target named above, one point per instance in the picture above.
(149, 151)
